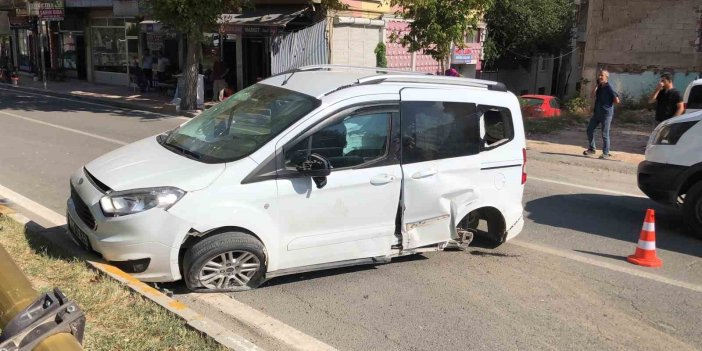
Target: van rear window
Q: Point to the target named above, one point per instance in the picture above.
(695, 99)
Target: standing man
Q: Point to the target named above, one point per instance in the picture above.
(162, 67)
(219, 71)
(605, 99)
(669, 102)
(148, 68)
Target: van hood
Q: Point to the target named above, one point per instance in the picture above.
(146, 164)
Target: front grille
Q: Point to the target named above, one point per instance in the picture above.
(82, 209)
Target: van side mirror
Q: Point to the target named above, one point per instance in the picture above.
(317, 167)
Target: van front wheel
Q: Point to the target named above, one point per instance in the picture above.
(231, 261)
(692, 206)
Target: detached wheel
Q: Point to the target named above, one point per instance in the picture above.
(692, 208)
(225, 262)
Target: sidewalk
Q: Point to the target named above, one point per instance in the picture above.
(117, 96)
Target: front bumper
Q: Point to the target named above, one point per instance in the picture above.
(153, 236)
(660, 181)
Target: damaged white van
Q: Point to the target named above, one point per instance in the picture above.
(317, 168)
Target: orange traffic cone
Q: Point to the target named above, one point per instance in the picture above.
(645, 254)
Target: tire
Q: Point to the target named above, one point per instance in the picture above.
(692, 208)
(225, 262)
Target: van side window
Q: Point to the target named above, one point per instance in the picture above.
(496, 128)
(695, 99)
(439, 130)
(349, 142)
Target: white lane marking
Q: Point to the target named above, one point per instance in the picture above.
(600, 190)
(284, 333)
(607, 265)
(95, 104)
(119, 142)
(270, 326)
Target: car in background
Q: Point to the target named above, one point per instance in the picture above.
(693, 96)
(540, 106)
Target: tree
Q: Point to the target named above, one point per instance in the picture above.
(518, 29)
(438, 24)
(192, 18)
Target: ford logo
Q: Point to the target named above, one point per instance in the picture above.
(80, 181)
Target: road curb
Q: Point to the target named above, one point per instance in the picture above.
(192, 318)
(108, 102)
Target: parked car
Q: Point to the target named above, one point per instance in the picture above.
(345, 166)
(693, 96)
(672, 171)
(540, 106)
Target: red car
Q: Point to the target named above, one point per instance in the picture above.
(540, 106)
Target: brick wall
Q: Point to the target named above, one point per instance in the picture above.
(643, 35)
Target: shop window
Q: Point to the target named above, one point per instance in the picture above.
(439, 130)
(68, 51)
(23, 52)
(109, 49)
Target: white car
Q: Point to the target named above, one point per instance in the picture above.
(693, 96)
(317, 168)
(672, 171)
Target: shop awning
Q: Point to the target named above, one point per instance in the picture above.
(273, 16)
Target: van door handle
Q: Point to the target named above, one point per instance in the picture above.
(381, 179)
(424, 173)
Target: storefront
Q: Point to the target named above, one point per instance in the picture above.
(25, 42)
(114, 45)
(72, 45)
(249, 36)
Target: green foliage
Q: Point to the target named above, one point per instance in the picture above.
(437, 24)
(577, 105)
(526, 27)
(380, 57)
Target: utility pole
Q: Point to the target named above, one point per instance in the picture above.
(43, 61)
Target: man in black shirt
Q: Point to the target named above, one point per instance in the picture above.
(669, 102)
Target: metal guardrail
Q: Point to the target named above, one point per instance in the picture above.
(33, 321)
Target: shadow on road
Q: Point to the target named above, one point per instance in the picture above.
(18, 101)
(617, 217)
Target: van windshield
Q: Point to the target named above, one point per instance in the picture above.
(240, 125)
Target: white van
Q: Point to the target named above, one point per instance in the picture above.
(672, 171)
(693, 96)
(318, 168)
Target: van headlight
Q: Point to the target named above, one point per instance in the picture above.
(122, 203)
(670, 134)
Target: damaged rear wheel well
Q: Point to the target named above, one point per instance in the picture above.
(496, 227)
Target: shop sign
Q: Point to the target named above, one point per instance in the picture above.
(154, 41)
(251, 30)
(20, 22)
(21, 12)
(464, 56)
(51, 11)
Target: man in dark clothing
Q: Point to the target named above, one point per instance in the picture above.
(605, 99)
(669, 102)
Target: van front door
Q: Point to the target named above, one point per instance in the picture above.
(353, 215)
(440, 163)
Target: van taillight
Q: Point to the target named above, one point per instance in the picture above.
(524, 159)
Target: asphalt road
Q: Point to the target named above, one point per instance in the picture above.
(562, 284)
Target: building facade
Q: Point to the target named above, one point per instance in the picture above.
(636, 40)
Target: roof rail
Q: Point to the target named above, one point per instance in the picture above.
(478, 83)
(358, 68)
